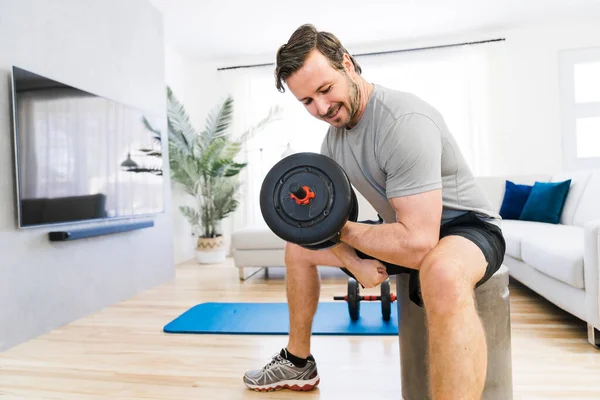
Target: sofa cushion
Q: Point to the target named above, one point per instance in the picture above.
(494, 186)
(546, 201)
(579, 181)
(515, 197)
(256, 238)
(587, 208)
(514, 231)
(556, 252)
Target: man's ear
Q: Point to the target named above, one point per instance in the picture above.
(347, 63)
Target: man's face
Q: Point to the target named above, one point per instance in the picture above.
(328, 94)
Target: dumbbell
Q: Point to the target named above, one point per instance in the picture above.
(354, 298)
(306, 198)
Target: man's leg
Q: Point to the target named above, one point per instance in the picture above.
(457, 347)
(303, 288)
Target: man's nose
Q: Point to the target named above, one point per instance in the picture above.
(322, 107)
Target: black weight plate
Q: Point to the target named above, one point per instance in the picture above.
(353, 208)
(330, 243)
(386, 300)
(324, 216)
(320, 246)
(353, 299)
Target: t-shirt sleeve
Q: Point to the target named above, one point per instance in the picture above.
(411, 156)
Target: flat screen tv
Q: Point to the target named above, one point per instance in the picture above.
(81, 157)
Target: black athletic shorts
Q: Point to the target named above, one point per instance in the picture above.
(487, 236)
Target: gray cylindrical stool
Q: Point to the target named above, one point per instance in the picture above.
(494, 309)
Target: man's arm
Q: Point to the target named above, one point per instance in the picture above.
(407, 241)
(410, 154)
(368, 272)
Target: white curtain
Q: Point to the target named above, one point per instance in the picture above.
(454, 80)
(254, 95)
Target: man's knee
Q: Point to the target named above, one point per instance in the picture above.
(298, 256)
(294, 253)
(444, 287)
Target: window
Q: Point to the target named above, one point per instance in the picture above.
(580, 108)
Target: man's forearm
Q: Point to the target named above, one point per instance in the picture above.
(347, 256)
(392, 243)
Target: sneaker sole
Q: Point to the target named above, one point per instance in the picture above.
(299, 386)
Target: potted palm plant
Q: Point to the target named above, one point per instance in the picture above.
(203, 164)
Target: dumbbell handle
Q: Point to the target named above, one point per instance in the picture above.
(366, 298)
(302, 195)
(299, 192)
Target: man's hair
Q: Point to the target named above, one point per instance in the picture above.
(291, 56)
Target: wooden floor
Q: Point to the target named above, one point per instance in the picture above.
(122, 353)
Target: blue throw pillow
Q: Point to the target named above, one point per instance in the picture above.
(515, 197)
(546, 202)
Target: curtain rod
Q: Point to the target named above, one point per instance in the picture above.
(381, 52)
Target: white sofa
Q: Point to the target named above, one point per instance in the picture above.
(559, 262)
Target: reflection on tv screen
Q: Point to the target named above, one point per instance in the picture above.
(82, 157)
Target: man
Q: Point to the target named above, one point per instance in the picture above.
(438, 226)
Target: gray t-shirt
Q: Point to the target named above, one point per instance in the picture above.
(402, 146)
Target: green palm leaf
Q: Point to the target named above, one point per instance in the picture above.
(192, 215)
(218, 121)
(157, 134)
(180, 128)
(274, 114)
(204, 163)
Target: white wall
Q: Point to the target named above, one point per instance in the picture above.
(197, 86)
(175, 71)
(113, 48)
(526, 113)
(176, 75)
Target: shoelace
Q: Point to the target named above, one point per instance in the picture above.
(274, 360)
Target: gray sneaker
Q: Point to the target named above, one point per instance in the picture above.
(280, 373)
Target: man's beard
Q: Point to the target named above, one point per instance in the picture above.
(353, 99)
(352, 102)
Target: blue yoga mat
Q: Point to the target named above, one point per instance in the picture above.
(332, 318)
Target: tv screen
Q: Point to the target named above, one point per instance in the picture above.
(82, 157)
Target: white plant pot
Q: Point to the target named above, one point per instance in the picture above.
(211, 250)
